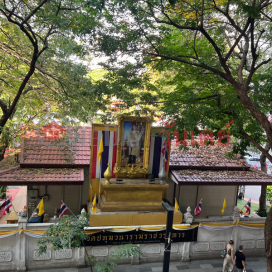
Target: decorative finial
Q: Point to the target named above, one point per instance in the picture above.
(108, 175)
(162, 175)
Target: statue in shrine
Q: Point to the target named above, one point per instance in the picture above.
(236, 215)
(188, 216)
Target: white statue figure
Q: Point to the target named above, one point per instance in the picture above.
(188, 216)
(235, 215)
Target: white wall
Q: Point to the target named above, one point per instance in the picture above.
(212, 198)
(70, 194)
(18, 252)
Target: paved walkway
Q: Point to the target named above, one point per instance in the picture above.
(252, 265)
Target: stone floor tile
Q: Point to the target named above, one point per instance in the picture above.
(194, 266)
(259, 270)
(145, 269)
(206, 261)
(85, 269)
(217, 265)
(70, 269)
(173, 267)
(249, 262)
(206, 266)
(181, 267)
(158, 268)
(208, 270)
(118, 270)
(51, 270)
(249, 259)
(131, 269)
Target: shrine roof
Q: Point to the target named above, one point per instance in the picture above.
(210, 177)
(10, 161)
(206, 157)
(55, 146)
(42, 176)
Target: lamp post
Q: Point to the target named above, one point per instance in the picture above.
(168, 234)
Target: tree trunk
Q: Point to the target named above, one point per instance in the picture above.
(268, 240)
(3, 149)
(262, 205)
(262, 199)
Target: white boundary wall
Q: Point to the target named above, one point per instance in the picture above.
(18, 252)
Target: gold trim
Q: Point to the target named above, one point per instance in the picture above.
(108, 175)
(132, 171)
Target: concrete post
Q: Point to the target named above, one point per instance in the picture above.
(22, 223)
(234, 237)
(136, 259)
(185, 252)
(80, 255)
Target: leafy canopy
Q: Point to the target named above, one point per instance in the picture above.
(222, 45)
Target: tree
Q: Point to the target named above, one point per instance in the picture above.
(263, 197)
(227, 42)
(70, 233)
(42, 54)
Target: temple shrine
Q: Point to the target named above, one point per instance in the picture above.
(131, 179)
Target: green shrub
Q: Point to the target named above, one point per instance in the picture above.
(262, 213)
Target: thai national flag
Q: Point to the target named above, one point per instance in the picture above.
(164, 155)
(63, 209)
(248, 206)
(158, 155)
(197, 210)
(108, 155)
(7, 206)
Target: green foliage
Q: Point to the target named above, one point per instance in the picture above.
(3, 190)
(44, 63)
(68, 233)
(269, 193)
(196, 51)
(262, 213)
(120, 252)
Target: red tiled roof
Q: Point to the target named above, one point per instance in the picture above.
(205, 157)
(42, 176)
(47, 148)
(208, 177)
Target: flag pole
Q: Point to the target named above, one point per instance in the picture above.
(13, 207)
(70, 211)
(100, 181)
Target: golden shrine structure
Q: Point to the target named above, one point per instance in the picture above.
(130, 183)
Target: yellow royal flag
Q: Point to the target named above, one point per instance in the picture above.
(41, 208)
(94, 205)
(224, 206)
(100, 150)
(271, 205)
(176, 206)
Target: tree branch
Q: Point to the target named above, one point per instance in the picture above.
(34, 11)
(250, 139)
